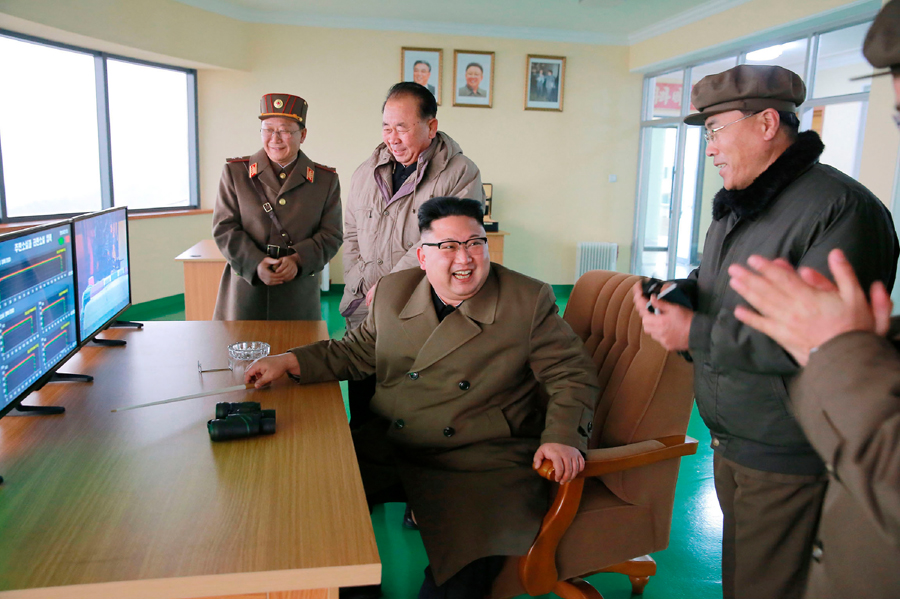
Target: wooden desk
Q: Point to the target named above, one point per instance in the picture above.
(204, 263)
(141, 504)
(203, 266)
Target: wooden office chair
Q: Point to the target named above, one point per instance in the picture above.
(619, 509)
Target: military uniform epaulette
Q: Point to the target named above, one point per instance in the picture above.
(241, 159)
(330, 169)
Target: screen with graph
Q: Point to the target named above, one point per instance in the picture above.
(37, 307)
(101, 268)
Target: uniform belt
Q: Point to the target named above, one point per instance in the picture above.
(276, 251)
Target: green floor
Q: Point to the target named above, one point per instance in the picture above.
(688, 568)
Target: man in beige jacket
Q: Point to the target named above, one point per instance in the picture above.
(847, 397)
(460, 353)
(415, 162)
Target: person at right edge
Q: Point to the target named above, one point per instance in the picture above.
(847, 397)
(780, 202)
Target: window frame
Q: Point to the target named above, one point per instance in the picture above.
(107, 191)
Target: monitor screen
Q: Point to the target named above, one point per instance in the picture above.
(37, 308)
(101, 268)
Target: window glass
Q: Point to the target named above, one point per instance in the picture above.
(148, 119)
(790, 55)
(666, 95)
(48, 129)
(840, 126)
(688, 221)
(660, 145)
(839, 59)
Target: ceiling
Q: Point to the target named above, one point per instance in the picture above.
(581, 21)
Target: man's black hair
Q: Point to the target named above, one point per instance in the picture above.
(425, 62)
(427, 103)
(475, 64)
(442, 207)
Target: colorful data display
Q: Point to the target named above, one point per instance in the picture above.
(37, 306)
(101, 264)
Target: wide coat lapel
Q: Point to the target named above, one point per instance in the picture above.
(437, 340)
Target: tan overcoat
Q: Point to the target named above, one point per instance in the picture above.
(850, 412)
(381, 229)
(461, 404)
(311, 215)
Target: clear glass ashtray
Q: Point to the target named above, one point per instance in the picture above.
(248, 350)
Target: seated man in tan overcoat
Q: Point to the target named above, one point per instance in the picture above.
(460, 352)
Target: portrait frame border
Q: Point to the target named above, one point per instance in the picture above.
(440, 77)
(490, 102)
(562, 80)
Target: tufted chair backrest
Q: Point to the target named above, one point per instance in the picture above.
(646, 392)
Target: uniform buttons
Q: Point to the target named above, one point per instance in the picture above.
(282, 201)
(818, 550)
(408, 244)
(414, 375)
(282, 176)
(464, 385)
(399, 423)
(380, 261)
(385, 213)
(830, 469)
(715, 442)
(284, 234)
(449, 431)
(590, 426)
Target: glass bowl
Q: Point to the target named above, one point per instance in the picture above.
(248, 350)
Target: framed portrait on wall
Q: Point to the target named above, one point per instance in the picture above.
(473, 78)
(425, 66)
(545, 78)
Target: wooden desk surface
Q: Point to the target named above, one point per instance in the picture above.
(205, 250)
(142, 504)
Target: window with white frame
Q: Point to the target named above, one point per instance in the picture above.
(81, 130)
(677, 182)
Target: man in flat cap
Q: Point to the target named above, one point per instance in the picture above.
(780, 202)
(277, 221)
(847, 397)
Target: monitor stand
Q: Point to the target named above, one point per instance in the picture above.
(117, 324)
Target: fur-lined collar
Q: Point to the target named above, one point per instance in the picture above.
(753, 200)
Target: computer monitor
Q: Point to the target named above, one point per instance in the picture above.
(101, 269)
(37, 309)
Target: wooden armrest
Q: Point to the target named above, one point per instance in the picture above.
(537, 569)
(625, 457)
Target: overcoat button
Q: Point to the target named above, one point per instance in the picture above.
(414, 375)
(282, 201)
(399, 423)
(715, 442)
(464, 385)
(385, 213)
(590, 426)
(818, 550)
(380, 261)
(449, 431)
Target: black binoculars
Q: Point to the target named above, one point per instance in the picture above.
(238, 420)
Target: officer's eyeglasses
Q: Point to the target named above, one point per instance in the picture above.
(281, 133)
(451, 247)
(711, 133)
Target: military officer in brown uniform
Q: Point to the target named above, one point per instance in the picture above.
(459, 353)
(847, 397)
(277, 221)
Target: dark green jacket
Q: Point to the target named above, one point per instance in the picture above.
(798, 210)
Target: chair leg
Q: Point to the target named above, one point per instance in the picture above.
(639, 570)
(576, 588)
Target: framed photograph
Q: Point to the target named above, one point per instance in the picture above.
(545, 77)
(425, 66)
(488, 197)
(473, 78)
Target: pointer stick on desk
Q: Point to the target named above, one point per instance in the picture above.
(194, 396)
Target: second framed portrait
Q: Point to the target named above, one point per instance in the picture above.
(545, 77)
(425, 66)
(473, 78)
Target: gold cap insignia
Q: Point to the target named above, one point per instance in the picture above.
(278, 103)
